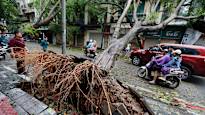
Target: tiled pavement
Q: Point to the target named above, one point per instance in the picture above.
(14, 101)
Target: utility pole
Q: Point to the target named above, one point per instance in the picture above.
(63, 5)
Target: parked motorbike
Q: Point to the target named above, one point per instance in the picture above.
(3, 50)
(172, 80)
(91, 54)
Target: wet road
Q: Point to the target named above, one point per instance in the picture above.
(192, 91)
(159, 98)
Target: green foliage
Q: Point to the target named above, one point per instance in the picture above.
(197, 8)
(8, 9)
(75, 10)
(169, 5)
(152, 17)
(56, 28)
(28, 29)
(72, 32)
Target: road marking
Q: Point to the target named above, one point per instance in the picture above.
(9, 68)
(14, 71)
(25, 77)
(3, 75)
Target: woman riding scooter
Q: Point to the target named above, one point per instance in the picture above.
(156, 64)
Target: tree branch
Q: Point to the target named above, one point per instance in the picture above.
(156, 5)
(110, 3)
(46, 20)
(52, 13)
(165, 22)
(53, 8)
(136, 4)
(117, 29)
(187, 18)
(42, 13)
(179, 7)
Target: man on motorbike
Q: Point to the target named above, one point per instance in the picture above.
(92, 46)
(174, 63)
(89, 44)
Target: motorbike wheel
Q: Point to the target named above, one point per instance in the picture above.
(142, 72)
(174, 81)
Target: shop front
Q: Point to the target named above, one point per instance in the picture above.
(170, 34)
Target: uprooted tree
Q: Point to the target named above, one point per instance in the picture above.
(84, 84)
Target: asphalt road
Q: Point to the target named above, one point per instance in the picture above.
(192, 91)
(159, 98)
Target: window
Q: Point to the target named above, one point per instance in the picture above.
(155, 48)
(189, 51)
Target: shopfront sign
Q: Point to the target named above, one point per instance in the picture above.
(167, 33)
(152, 33)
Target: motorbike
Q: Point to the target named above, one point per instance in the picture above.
(91, 54)
(3, 50)
(171, 80)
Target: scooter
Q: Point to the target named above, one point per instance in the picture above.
(3, 50)
(91, 54)
(171, 80)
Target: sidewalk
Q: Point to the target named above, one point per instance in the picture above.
(14, 101)
(5, 106)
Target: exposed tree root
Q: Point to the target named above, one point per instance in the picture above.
(82, 84)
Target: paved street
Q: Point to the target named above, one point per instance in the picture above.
(157, 97)
(191, 91)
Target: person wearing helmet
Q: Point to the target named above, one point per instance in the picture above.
(93, 47)
(174, 63)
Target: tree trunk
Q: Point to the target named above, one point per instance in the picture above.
(52, 13)
(46, 21)
(107, 58)
(118, 25)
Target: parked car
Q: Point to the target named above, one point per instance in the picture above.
(193, 57)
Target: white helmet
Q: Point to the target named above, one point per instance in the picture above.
(91, 40)
(166, 50)
(178, 51)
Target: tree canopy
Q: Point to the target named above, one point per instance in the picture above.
(8, 9)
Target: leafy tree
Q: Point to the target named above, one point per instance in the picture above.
(8, 9)
(28, 29)
(174, 9)
(171, 10)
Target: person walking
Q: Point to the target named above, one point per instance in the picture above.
(18, 50)
(44, 44)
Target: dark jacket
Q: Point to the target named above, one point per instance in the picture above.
(16, 43)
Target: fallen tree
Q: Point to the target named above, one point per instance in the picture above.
(52, 13)
(83, 84)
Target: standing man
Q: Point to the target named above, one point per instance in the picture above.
(17, 45)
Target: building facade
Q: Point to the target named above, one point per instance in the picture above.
(173, 33)
(27, 11)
